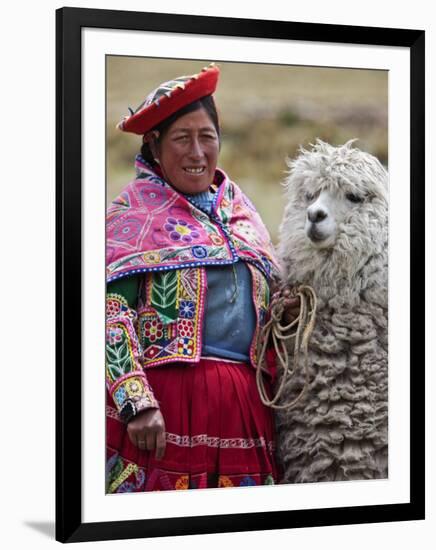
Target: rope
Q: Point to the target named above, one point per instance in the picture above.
(279, 334)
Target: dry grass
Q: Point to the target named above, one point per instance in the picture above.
(266, 113)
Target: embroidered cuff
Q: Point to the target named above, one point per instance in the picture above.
(133, 395)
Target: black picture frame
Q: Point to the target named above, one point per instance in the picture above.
(69, 22)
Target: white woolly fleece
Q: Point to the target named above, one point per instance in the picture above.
(340, 430)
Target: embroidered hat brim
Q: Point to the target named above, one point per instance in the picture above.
(168, 98)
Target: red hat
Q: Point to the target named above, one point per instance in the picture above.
(168, 98)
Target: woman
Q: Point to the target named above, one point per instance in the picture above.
(189, 264)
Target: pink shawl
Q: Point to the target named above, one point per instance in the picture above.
(152, 227)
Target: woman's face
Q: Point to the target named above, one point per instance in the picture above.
(188, 152)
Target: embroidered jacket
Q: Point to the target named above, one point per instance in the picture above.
(154, 230)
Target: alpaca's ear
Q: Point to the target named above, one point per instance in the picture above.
(349, 143)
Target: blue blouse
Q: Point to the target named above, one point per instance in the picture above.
(230, 316)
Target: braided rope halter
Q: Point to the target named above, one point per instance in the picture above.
(279, 335)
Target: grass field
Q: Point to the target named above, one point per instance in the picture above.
(266, 113)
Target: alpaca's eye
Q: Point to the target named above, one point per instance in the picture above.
(309, 196)
(353, 198)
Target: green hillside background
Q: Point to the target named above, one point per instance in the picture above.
(266, 112)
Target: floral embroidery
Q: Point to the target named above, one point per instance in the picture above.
(169, 324)
(182, 483)
(120, 396)
(140, 478)
(172, 303)
(119, 356)
(181, 230)
(117, 306)
(153, 330)
(153, 195)
(134, 387)
(126, 487)
(199, 252)
(217, 240)
(186, 346)
(152, 257)
(123, 476)
(247, 481)
(245, 229)
(113, 305)
(187, 309)
(186, 328)
(269, 480)
(138, 217)
(114, 335)
(225, 203)
(129, 229)
(225, 481)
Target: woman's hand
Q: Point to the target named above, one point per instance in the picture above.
(147, 431)
(291, 305)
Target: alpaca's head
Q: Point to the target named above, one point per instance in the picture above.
(336, 213)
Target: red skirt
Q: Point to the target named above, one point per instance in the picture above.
(218, 432)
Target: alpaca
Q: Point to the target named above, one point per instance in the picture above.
(334, 237)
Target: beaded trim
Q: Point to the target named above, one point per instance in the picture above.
(214, 442)
(208, 441)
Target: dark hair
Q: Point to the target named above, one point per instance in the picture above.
(207, 103)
